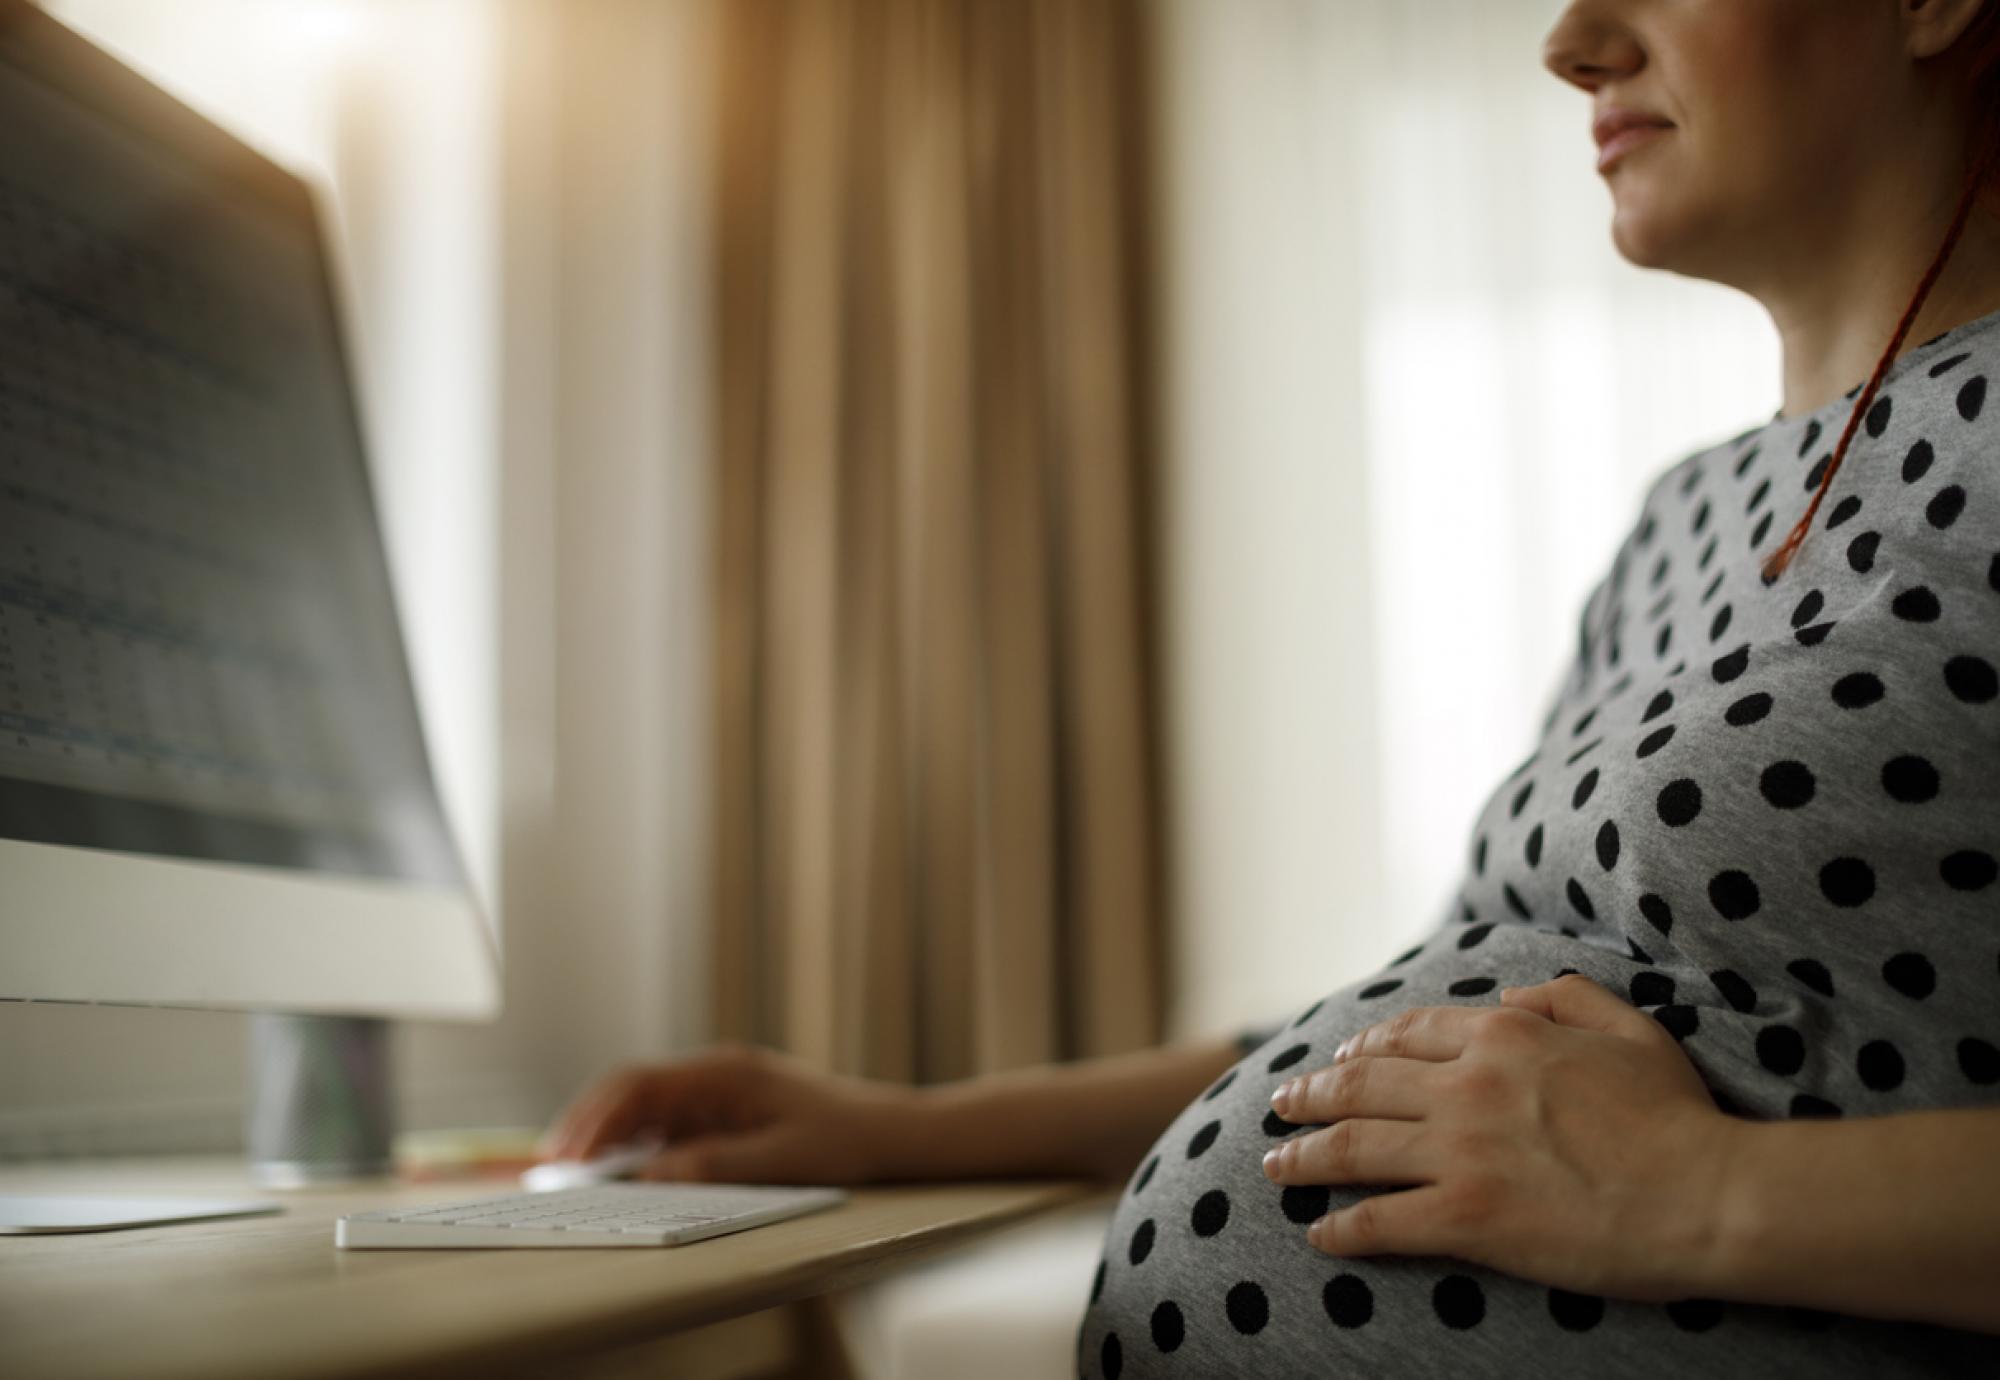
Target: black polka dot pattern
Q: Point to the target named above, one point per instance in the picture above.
(1968, 869)
(1248, 1308)
(1971, 679)
(1695, 1315)
(1211, 1213)
(1288, 1058)
(1735, 989)
(1762, 814)
(1459, 1302)
(1679, 802)
(1847, 882)
(1880, 1065)
(1781, 1049)
(1575, 1312)
(1910, 974)
(1579, 899)
(1979, 1061)
(1751, 709)
(1787, 785)
(1858, 690)
(1305, 1203)
(1734, 894)
(1348, 1301)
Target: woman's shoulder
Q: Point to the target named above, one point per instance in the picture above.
(1675, 493)
(1927, 449)
(1923, 497)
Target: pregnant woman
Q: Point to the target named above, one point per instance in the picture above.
(1702, 1067)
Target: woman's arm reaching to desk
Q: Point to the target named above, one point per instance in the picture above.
(746, 1114)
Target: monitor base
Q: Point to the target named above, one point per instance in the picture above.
(44, 1214)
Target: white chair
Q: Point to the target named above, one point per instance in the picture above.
(1003, 1308)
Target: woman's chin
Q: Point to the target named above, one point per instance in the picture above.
(1641, 237)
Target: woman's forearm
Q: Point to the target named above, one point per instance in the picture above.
(1091, 1119)
(1888, 1217)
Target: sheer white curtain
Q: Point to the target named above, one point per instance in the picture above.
(1414, 398)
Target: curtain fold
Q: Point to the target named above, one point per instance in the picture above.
(937, 782)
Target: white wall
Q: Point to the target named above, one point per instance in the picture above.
(627, 921)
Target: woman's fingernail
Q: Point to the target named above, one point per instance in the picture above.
(1316, 1233)
(1270, 1163)
(1341, 1053)
(1281, 1096)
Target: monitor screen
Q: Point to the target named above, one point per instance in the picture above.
(213, 783)
(198, 648)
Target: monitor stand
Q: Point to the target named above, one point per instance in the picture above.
(320, 1112)
(322, 1108)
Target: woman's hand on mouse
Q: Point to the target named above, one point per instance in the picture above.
(1563, 1137)
(738, 1113)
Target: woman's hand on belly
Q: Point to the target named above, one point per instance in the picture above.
(1562, 1137)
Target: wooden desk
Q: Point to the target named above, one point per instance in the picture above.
(268, 1297)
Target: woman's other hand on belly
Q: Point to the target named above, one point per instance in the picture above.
(1563, 1137)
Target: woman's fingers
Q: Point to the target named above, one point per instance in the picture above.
(1575, 1000)
(618, 1108)
(1423, 1032)
(689, 1097)
(1415, 1221)
(1355, 1151)
(603, 1115)
(1398, 1089)
(764, 1156)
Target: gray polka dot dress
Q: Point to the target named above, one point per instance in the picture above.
(1767, 814)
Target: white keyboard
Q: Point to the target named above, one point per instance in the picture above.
(670, 1214)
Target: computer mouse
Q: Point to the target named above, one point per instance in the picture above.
(612, 1164)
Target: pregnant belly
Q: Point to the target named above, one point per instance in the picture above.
(1206, 1269)
(1204, 1256)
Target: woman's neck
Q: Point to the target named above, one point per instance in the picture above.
(1835, 328)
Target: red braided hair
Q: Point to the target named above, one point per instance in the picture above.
(1982, 179)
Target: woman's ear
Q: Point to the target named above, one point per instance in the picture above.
(1931, 27)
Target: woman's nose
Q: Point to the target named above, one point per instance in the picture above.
(1591, 44)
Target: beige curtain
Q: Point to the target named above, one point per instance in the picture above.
(938, 784)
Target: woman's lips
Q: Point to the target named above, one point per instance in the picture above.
(1623, 142)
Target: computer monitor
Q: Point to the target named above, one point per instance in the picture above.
(214, 789)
